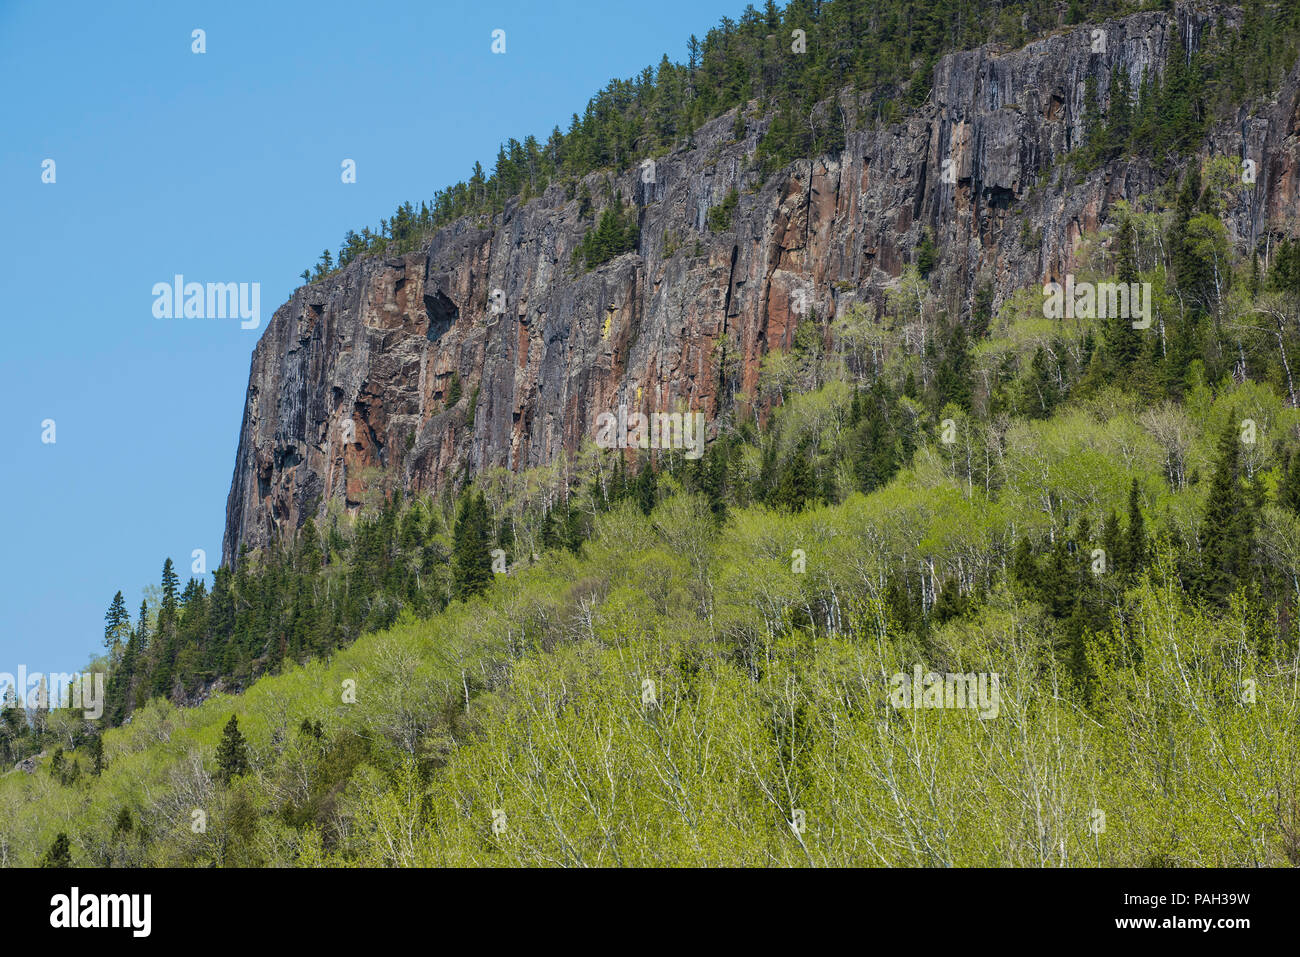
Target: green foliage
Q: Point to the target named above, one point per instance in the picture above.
(926, 254)
(959, 486)
(232, 753)
(471, 555)
(719, 217)
(887, 51)
(59, 854)
(615, 234)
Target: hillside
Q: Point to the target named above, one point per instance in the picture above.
(356, 371)
(453, 628)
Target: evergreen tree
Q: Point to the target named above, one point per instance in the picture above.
(954, 380)
(796, 487)
(926, 254)
(1114, 545)
(1040, 393)
(97, 755)
(1123, 343)
(647, 488)
(117, 624)
(472, 548)
(1288, 489)
(1135, 541)
(59, 853)
(1227, 524)
(232, 753)
(165, 641)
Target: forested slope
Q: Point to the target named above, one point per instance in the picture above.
(636, 658)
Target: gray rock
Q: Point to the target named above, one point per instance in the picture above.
(376, 345)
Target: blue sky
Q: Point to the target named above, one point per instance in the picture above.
(223, 167)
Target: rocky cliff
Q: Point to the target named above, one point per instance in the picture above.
(355, 371)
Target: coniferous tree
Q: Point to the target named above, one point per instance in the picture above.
(1040, 393)
(1227, 524)
(59, 853)
(796, 487)
(166, 638)
(232, 753)
(117, 624)
(97, 755)
(1123, 343)
(647, 488)
(1189, 266)
(1114, 545)
(876, 442)
(926, 254)
(954, 380)
(1288, 490)
(1135, 541)
(472, 549)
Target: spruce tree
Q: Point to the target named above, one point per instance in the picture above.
(1113, 544)
(1288, 489)
(647, 488)
(954, 380)
(1135, 541)
(59, 853)
(1039, 394)
(926, 254)
(117, 623)
(164, 658)
(1227, 524)
(97, 755)
(797, 487)
(1123, 342)
(232, 753)
(471, 548)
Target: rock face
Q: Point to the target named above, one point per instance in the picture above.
(354, 372)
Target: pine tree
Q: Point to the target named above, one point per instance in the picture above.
(1040, 393)
(1227, 525)
(1288, 490)
(796, 487)
(1123, 343)
(954, 380)
(1112, 543)
(1119, 117)
(550, 534)
(647, 488)
(472, 548)
(166, 639)
(59, 853)
(875, 441)
(1135, 540)
(1189, 266)
(117, 624)
(232, 753)
(926, 254)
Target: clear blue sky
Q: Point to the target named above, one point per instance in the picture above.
(223, 167)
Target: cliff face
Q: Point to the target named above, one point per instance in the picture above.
(354, 371)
